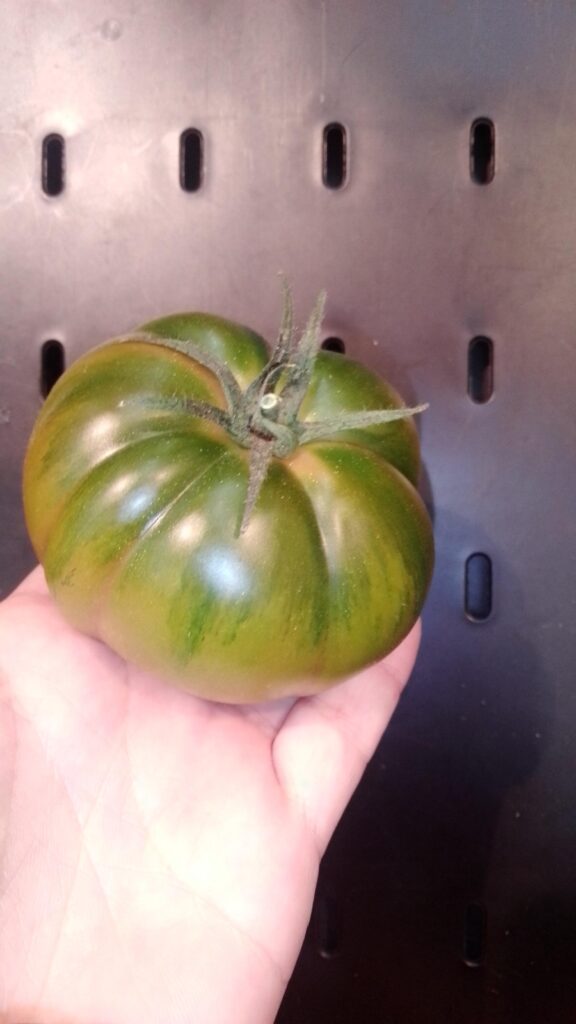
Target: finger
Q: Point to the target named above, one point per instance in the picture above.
(34, 583)
(326, 741)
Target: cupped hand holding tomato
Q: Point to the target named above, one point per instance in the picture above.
(244, 525)
(160, 852)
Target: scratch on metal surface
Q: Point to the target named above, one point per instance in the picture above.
(13, 193)
(353, 50)
(323, 19)
(567, 87)
(5, 415)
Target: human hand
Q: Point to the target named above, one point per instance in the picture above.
(159, 853)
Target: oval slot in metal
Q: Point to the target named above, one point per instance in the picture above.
(474, 934)
(191, 160)
(478, 587)
(334, 345)
(53, 164)
(481, 369)
(482, 151)
(328, 927)
(52, 364)
(334, 156)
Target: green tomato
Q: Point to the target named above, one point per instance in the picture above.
(239, 525)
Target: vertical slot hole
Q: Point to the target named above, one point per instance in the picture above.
(334, 156)
(474, 934)
(480, 369)
(52, 365)
(482, 151)
(478, 587)
(334, 345)
(328, 927)
(191, 160)
(53, 165)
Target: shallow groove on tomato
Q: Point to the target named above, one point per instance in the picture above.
(157, 522)
(75, 468)
(244, 351)
(114, 506)
(234, 604)
(342, 384)
(375, 581)
(112, 372)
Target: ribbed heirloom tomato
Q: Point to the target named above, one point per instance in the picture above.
(244, 525)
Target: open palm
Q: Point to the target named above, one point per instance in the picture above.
(159, 853)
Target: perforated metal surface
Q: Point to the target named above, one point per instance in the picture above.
(467, 816)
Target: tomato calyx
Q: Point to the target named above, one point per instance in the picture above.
(264, 417)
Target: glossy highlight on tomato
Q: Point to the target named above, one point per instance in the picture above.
(242, 524)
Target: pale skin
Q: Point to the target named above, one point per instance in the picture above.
(159, 853)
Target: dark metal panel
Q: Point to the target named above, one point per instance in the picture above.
(470, 800)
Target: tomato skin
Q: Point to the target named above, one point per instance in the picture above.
(132, 504)
(244, 351)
